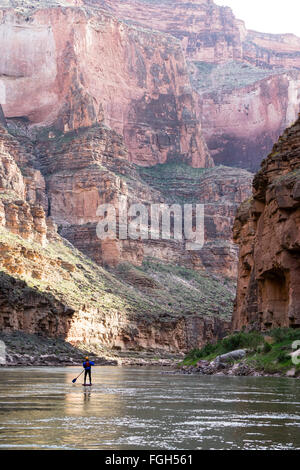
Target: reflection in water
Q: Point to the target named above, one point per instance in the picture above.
(87, 396)
(129, 408)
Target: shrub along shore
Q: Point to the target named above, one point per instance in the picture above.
(275, 352)
(241, 354)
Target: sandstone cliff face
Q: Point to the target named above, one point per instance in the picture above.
(59, 70)
(219, 190)
(272, 49)
(267, 231)
(90, 167)
(50, 288)
(56, 291)
(257, 112)
(18, 173)
(246, 83)
(209, 32)
(26, 219)
(61, 157)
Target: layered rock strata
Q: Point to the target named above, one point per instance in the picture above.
(86, 169)
(47, 287)
(81, 125)
(208, 32)
(246, 83)
(267, 232)
(59, 71)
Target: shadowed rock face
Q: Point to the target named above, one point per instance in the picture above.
(267, 231)
(256, 115)
(2, 117)
(59, 71)
(246, 83)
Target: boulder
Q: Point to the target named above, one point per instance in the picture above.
(231, 356)
(291, 372)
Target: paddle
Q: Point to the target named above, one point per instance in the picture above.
(74, 380)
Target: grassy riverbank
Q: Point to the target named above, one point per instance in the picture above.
(267, 353)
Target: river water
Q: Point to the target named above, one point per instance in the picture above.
(142, 408)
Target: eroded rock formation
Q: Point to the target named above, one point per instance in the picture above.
(246, 83)
(77, 125)
(267, 231)
(59, 70)
(90, 167)
(50, 288)
(80, 132)
(209, 32)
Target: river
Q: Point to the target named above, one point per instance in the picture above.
(143, 408)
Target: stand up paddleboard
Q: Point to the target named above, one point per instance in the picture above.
(87, 385)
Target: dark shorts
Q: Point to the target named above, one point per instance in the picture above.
(87, 373)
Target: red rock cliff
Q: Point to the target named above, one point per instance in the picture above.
(246, 83)
(267, 230)
(209, 32)
(70, 67)
(47, 287)
(65, 100)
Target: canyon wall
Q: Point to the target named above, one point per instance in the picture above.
(181, 66)
(208, 32)
(85, 122)
(97, 108)
(59, 71)
(267, 232)
(88, 168)
(76, 128)
(48, 287)
(63, 157)
(246, 83)
(244, 111)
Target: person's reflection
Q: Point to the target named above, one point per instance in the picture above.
(87, 396)
(97, 401)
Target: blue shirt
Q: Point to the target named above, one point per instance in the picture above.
(88, 368)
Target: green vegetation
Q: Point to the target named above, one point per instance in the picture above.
(9, 195)
(177, 181)
(171, 170)
(268, 352)
(222, 78)
(178, 290)
(237, 341)
(155, 288)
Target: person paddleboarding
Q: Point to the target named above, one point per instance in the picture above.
(87, 370)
